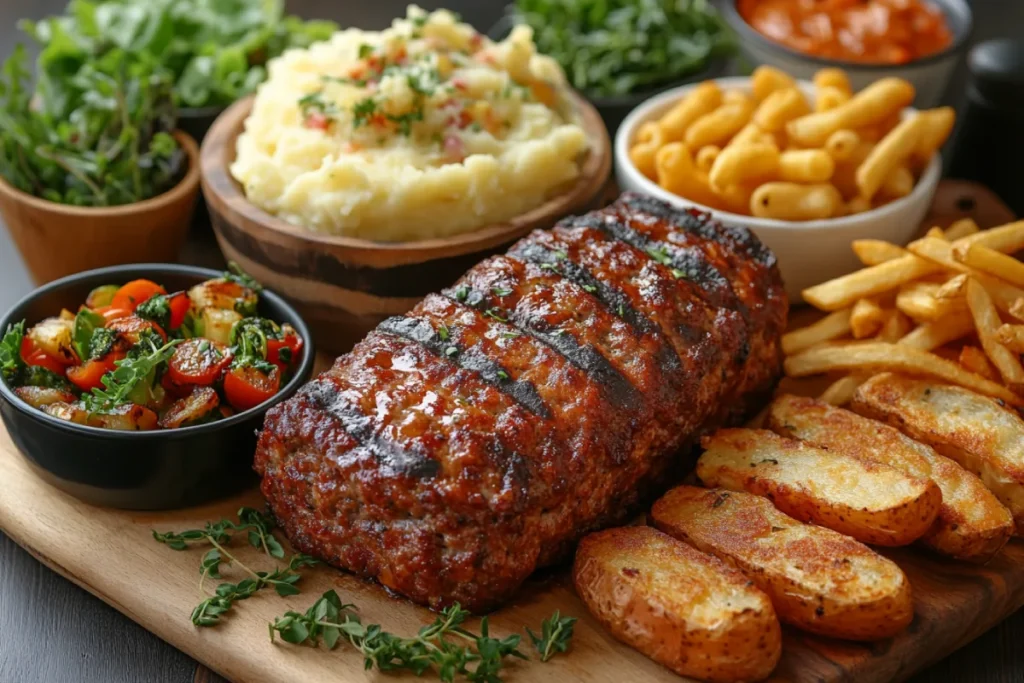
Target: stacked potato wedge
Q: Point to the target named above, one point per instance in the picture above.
(792, 510)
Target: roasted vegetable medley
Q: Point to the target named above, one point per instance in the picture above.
(135, 357)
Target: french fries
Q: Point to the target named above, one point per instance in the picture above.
(830, 327)
(974, 360)
(976, 431)
(921, 302)
(1010, 336)
(873, 252)
(862, 597)
(972, 524)
(987, 323)
(845, 291)
(881, 357)
(682, 608)
(961, 228)
(993, 262)
(867, 318)
(777, 152)
(871, 502)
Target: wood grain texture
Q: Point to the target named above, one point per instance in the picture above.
(57, 240)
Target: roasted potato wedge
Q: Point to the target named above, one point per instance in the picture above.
(818, 579)
(872, 502)
(686, 610)
(972, 524)
(976, 431)
(54, 336)
(40, 397)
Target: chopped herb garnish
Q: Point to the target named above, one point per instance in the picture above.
(589, 288)
(365, 50)
(659, 254)
(501, 291)
(362, 111)
(511, 335)
(451, 351)
(462, 293)
(496, 314)
(442, 332)
(502, 374)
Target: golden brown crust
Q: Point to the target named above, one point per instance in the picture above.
(869, 501)
(682, 608)
(817, 579)
(972, 524)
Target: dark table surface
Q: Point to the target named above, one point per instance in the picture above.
(51, 630)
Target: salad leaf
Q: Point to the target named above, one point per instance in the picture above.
(10, 352)
(215, 51)
(615, 47)
(86, 323)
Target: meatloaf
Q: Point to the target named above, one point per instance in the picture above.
(460, 447)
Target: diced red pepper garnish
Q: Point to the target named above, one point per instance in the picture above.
(317, 121)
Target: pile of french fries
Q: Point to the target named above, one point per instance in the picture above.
(949, 306)
(772, 153)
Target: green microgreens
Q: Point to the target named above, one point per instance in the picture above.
(133, 371)
(235, 274)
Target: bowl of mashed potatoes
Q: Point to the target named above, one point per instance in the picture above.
(375, 167)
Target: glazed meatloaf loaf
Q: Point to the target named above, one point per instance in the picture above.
(459, 447)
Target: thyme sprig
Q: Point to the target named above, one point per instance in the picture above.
(555, 634)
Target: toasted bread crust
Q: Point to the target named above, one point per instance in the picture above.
(972, 524)
(872, 502)
(682, 608)
(817, 579)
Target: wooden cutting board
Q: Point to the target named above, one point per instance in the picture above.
(111, 554)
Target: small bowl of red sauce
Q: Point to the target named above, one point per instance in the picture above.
(921, 41)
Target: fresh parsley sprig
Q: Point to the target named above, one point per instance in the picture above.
(129, 373)
(555, 634)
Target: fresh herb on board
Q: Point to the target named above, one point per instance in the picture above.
(616, 47)
(445, 646)
(214, 51)
(91, 132)
(258, 529)
(555, 634)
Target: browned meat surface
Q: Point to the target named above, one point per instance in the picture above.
(458, 448)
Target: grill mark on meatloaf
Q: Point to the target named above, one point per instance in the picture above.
(412, 462)
(480, 294)
(490, 371)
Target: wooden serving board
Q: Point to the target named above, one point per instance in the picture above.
(111, 554)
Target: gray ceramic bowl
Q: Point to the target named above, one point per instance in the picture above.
(930, 75)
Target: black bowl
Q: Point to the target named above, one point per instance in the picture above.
(155, 470)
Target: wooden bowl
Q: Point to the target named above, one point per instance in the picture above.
(57, 240)
(344, 286)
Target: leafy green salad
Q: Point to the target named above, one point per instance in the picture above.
(616, 47)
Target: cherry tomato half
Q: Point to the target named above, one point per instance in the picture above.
(89, 375)
(198, 361)
(246, 387)
(131, 327)
(290, 341)
(33, 355)
(179, 304)
(134, 293)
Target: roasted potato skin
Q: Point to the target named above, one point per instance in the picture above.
(972, 524)
(40, 397)
(818, 580)
(682, 608)
(977, 432)
(872, 502)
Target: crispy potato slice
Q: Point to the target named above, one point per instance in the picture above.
(976, 431)
(869, 501)
(844, 291)
(880, 357)
(987, 323)
(682, 608)
(972, 524)
(818, 579)
(830, 327)
(40, 397)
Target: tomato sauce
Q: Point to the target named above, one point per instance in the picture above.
(865, 31)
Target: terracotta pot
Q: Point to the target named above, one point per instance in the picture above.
(57, 240)
(344, 286)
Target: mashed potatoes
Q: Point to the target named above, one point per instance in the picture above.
(423, 130)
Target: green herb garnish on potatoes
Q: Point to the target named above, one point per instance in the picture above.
(616, 47)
